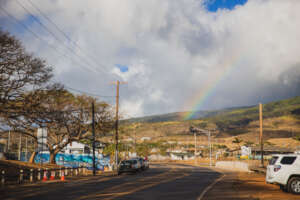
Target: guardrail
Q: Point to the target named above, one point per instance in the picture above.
(34, 175)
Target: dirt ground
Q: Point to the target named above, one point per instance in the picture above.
(250, 186)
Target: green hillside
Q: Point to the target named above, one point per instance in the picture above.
(228, 122)
(239, 118)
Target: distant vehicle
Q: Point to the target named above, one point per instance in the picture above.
(131, 165)
(144, 163)
(284, 170)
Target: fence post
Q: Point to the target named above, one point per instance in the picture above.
(39, 174)
(21, 176)
(31, 175)
(66, 171)
(76, 172)
(60, 172)
(72, 171)
(3, 178)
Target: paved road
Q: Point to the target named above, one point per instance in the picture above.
(164, 181)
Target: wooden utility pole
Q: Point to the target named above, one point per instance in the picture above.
(117, 83)
(261, 134)
(195, 150)
(117, 123)
(93, 129)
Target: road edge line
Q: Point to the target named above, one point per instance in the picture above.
(210, 186)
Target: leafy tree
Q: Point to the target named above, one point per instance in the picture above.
(19, 72)
(66, 117)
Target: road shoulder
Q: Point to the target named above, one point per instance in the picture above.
(242, 185)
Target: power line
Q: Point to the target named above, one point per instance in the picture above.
(60, 30)
(62, 54)
(55, 37)
(91, 94)
(85, 92)
(41, 39)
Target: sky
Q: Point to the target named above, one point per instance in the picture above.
(171, 55)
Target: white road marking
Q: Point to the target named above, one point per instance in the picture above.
(209, 187)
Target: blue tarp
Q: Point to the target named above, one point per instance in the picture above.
(75, 160)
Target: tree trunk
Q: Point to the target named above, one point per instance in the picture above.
(52, 157)
(31, 159)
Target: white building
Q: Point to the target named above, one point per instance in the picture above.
(76, 148)
(146, 139)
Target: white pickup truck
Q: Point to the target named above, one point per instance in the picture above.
(284, 170)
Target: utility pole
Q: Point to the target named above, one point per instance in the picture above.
(195, 150)
(261, 134)
(117, 124)
(209, 148)
(117, 83)
(93, 129)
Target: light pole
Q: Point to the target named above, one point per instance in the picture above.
(208, 133)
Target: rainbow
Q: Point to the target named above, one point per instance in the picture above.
(208, 89)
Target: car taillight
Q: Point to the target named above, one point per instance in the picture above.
(277, 168)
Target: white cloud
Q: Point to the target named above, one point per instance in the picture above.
(173, 49)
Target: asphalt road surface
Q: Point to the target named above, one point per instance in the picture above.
(161, 181)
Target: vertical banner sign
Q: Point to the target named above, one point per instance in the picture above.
(42, 139)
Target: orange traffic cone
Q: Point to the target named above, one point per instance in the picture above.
(52, 175)
(45, 176)
(62, 177)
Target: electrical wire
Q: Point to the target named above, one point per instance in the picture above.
(62, 54)
(61, 31)
(57, 38)
(41, 39)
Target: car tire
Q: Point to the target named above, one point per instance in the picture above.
(283, 188)
(294, 185)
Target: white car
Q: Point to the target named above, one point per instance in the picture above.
(284, 170)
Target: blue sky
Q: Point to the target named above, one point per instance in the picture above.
(214, 5)
(122, 68)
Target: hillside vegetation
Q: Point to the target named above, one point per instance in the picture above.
(281, 120)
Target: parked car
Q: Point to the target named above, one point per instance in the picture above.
(284, 170)
(144, 163)
(131, 165)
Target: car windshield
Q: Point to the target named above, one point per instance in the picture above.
(273, 160)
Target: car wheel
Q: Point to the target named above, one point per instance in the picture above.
(283, 188)
(294, 185)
